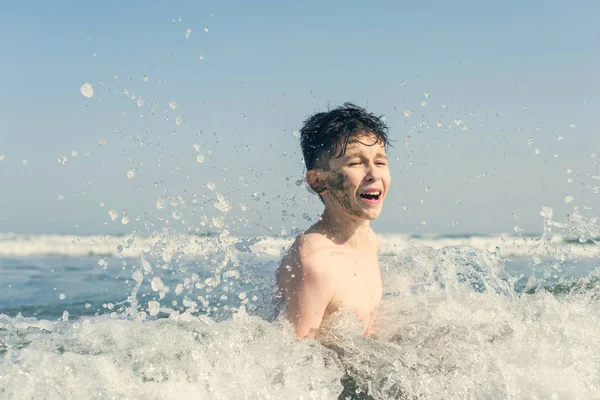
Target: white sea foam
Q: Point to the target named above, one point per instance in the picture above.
(450, 326)
(244, 357)
(21, 245)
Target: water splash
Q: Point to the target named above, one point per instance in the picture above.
(113, 215)
(87, 90)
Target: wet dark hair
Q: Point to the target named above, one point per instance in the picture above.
(326, 134)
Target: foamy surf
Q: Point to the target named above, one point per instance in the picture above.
(20, 245)
(452, 325)
(195, 317)
(243, 357)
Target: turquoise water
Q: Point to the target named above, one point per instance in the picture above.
(46, 287)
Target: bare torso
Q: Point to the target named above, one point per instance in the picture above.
(353, 274)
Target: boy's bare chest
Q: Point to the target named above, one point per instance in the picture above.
(358, 283)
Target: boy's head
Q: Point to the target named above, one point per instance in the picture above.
(325, 135)
(344, 151)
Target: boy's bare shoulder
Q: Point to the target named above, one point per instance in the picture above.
(309, 252)
(314, 245)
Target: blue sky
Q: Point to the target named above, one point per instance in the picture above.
(492, 106)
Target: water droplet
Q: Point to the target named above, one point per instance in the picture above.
(65, 316)
(102, 262)
(403, 84)
(569, 199)
(244, 207)
(559, 138)
(140, 102)
(244, 115)
(408, 113)
(296, 133)
(518, 229)
(179, 120)
(222, 204)
(201, 57)
(62, 159)
(530, 141)
(60, 197)
(113, 215)
(307, 217)
(145, 78)
(125, 220)
(173, 104)
(445, 106)
(196, 147)
(423, 103)
(120, 248)
(177, 215)
(206, 29)
(537, 152)
(130, 174)
(87, 90)
(211, 185)
(25, 162)
(153, 308)
(200, 158)
(572, 126)
(458, 121)
(138, 276)
(102, 143)
(2, 157)
(427, 189)
(242, 295)
(188, 33)
(62, 296)
(160, 204)
(88, 305)
(74, 153)
(427, 94)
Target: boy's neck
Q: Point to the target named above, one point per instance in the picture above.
(342, 229)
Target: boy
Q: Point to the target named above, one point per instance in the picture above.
(334, 263)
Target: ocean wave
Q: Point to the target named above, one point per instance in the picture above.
(172, 245)
(449, 326)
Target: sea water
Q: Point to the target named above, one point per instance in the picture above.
(168, 316)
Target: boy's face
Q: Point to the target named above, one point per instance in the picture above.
(357, 182)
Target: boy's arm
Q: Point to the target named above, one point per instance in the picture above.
(309, 294)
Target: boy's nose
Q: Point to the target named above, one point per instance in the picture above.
(373, 174)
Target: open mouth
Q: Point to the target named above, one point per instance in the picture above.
(373, 195)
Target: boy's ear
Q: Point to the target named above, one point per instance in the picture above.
(313, 179)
